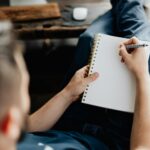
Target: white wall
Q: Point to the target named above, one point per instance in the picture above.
(26, 2)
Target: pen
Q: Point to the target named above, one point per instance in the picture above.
(133, 46)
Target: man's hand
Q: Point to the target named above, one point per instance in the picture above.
(79, 82)
(136, 61)
(55, 107)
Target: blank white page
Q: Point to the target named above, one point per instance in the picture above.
(115, 87)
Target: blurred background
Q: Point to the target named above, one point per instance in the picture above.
(49, 59)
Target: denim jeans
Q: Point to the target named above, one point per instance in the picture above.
(127, 18)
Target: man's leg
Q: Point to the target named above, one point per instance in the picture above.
(130, 19)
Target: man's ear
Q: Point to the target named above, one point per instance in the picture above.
(10, 125)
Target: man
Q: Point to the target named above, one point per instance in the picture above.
(61, 101)
(126, 19)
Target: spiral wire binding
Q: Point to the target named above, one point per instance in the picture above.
(92, 58)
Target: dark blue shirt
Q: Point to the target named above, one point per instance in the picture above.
(59, 140)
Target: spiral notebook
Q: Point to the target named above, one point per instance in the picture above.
(115, 88)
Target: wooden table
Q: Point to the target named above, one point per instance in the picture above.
(64, 27)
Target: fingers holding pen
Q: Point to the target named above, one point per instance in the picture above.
(133, 40)
(123, 53)
(135, 59)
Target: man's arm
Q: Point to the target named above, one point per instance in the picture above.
(141, 125)
(137, 63)
(49, 114)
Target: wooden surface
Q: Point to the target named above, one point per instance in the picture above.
(28, 13)
(50, 32)
(65, 26)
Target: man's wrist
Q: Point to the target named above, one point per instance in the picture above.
(67, 96)
(144, 77)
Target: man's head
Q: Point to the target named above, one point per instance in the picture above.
(14, 98)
